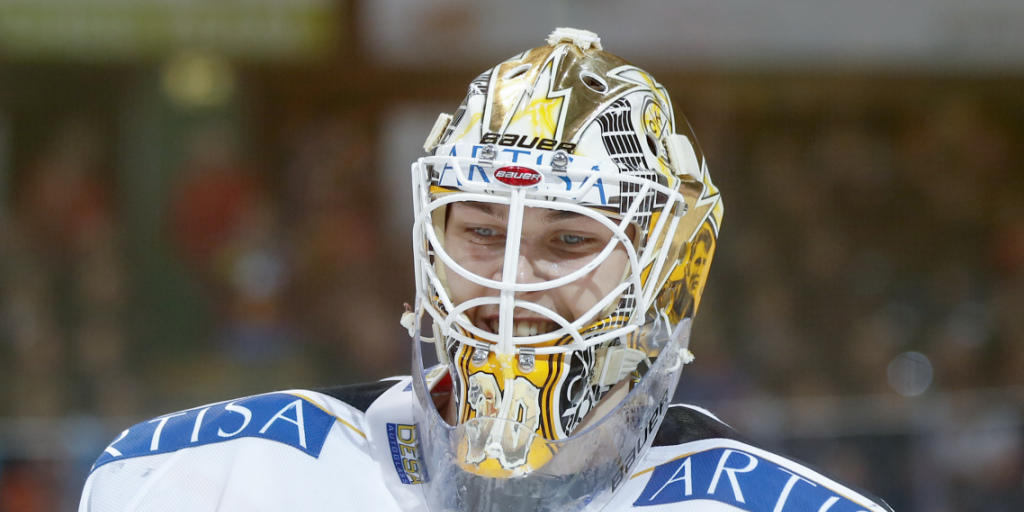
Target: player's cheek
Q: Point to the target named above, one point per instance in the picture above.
(460, 287)
(609, 274)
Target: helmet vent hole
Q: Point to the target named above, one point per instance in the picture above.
(517, 71)
(652, 143)
(594, 82)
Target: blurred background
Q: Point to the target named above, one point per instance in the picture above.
(206, 199)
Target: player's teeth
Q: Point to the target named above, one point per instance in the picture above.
(530, 328)
(522, 328)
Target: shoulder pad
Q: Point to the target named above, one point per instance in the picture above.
(359, 395)
(685, 423)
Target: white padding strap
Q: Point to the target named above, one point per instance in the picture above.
(434, 137)
(684, 158)
(617, 363)
(584, 39)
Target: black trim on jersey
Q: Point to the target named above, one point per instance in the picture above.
(359, 395)
(683, 424)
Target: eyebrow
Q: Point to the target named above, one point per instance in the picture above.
(486, 208)
(555, 215)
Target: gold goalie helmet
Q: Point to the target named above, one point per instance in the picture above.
(564, 228)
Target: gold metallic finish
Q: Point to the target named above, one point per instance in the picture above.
(551, 94)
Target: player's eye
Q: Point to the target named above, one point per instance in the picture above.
(573, 242)
(485, 235)
(572, 239)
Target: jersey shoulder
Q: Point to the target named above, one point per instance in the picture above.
(699, 463)
(298, 418)
(256, 452)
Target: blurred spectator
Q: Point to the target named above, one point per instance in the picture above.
(343, 275)
(227, 229)
(66, 287)
(27, 486)
(64, 203)
(213, 195)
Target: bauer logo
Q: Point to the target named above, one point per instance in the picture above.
(515, 176)
(525, 142)
(405, 453)
(281, 417)
(742, 480)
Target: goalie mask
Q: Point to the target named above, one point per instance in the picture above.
(563, 233)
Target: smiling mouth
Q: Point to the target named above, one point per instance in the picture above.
(524, 327)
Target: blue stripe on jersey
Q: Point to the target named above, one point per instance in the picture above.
(740, 479)
(280, 417)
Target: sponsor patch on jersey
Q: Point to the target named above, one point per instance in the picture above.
(281, 417)
(405, 453)
(740, 479)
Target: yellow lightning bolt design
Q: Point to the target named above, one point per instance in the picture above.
(544, 107)
(543, 113)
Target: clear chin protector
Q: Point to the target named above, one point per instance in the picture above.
(538, 271)
(583, 470)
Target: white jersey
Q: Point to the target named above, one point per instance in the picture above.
(356, 448)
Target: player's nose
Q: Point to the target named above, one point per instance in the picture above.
(528, 270)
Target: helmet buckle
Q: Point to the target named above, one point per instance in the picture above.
(487, 153)
(479, 356)
(527, 359)
(559, 161)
